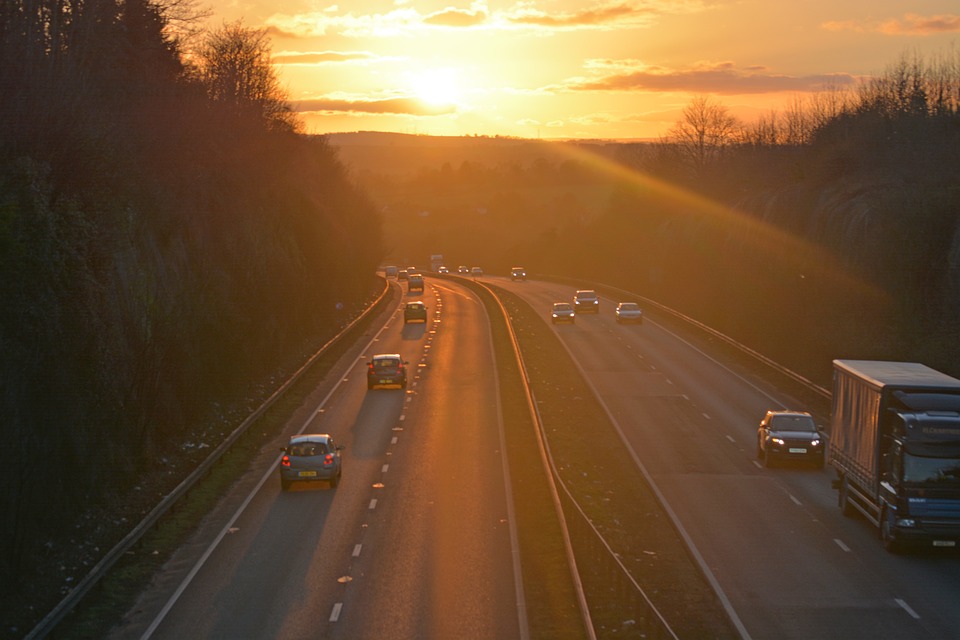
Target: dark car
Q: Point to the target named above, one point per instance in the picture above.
(586, 301)
(402, 274)
(310, 457)
(414, 311)
(387, 370)
(789, 435)
(518, 273)
(562, 312)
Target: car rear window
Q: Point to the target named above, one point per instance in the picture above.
(386, 363)
(307, 449)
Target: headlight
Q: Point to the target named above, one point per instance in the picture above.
(778, 441)
(815, 443)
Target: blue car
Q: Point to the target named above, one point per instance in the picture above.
(312, 457)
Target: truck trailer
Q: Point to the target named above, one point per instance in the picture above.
(895, 445)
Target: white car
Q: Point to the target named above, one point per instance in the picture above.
(629, 312)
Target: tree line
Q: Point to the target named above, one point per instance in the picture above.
(829, 229)
(170, 241)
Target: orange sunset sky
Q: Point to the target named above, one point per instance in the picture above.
(573, 69)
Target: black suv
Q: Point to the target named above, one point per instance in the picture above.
(789, 435)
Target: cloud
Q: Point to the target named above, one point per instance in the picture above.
(404, 20)
(456, 18)
(722, 78)
(322, 57)
(607, 16)
(910, 25)
(393, 105)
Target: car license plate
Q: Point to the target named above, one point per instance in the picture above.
(384, 381)
(308, 474)
(797, 450)
(944, 543)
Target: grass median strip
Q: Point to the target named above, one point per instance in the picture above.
(603, 479)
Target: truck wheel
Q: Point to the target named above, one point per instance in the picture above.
(843, 498)
(886, 535)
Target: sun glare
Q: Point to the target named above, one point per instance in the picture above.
(436, 86)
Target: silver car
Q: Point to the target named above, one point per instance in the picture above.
(310, 457)
(629, 312)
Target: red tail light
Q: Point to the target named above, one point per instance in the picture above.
(285, 461)
(328, 459)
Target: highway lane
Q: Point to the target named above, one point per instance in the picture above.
(416, 541)
(790, 564)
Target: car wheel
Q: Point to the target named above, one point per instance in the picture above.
(284, 484)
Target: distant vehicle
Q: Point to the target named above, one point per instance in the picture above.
(443, 269)
(476, 272)
(414, 312)
(310, 457)
(414, 282)
(895, 444)
(518, 273)
(586, 301)
(390, 271)
(629, 312)
(402, 274)
(562, 312)
(463, 270)
(789, 435)
(387, 370)
(436, 261)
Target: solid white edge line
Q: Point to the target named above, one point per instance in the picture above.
(152, 628)
(841, 544)
(697, 556)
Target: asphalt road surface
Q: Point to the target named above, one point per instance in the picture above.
(789, 563)
(416, 541)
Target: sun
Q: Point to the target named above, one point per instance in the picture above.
(437, 86)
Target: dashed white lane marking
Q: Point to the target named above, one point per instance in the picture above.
(335, 614)
(906, 607)
(373, 503)
(393, 440)
(841, 544)
(706, 415)
(730, 438)
(795, 501)
(384, 468)
(356, 550)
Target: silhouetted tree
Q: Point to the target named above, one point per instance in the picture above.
(234, 66)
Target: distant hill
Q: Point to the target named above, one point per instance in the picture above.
(401, 154)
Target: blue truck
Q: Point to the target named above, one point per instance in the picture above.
(895, 445)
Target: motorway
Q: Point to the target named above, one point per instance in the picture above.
(415, 542)
(785, 558)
